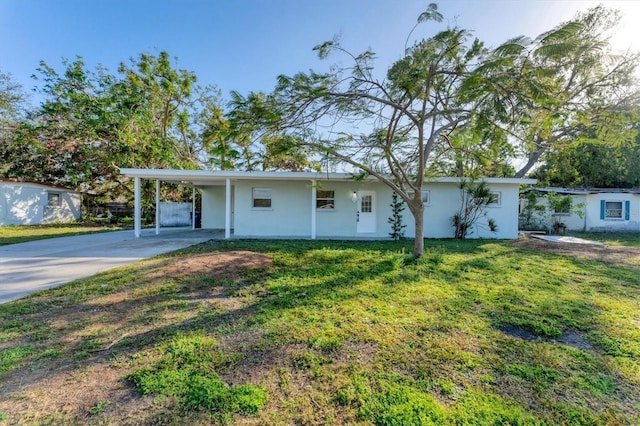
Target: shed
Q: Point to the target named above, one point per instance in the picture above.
(33, 203)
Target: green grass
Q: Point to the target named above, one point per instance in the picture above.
(25, 233)
(630, 239)
(474, 333)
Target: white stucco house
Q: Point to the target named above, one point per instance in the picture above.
(324, 205)
(31, 203)
(602, 210)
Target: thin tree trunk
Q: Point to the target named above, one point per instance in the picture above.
(418, 243)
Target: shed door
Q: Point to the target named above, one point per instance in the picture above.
(366, 215)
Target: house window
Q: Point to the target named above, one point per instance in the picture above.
(261, 198)
(497, 199)
(325, 199)
(613, 209)
(53, 200)
(425, 196)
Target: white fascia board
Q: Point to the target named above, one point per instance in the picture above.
(204, 176)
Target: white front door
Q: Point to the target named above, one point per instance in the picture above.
(366, 215)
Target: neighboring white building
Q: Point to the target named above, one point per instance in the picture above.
(601, 209)
(326, 205)
(30, 203)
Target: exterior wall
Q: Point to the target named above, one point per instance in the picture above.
(26, 204)
(291, 206)
(342, 221)
(593, 216)
(213, 207)
(288, 216)
(444, 202)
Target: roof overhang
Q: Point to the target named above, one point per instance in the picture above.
(208, 178)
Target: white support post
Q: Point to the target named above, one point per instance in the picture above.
(227, 209)
(313, 209)
(157, 206)
(136, 207)
(193, 208)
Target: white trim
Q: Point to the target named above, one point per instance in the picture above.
(157, 206)
(227, 209)
(193, 208)
(314, 193)
(204, 176)
(254, 198)
(623, 210)
(498, 202)
(136, 207)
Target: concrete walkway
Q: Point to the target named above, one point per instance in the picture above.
(563, 239)
(29, 267)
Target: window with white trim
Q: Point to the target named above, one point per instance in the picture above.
(425, 195)
(261, 198)
(325, 199)
(613, 209)
(497, 199)
(53, 200)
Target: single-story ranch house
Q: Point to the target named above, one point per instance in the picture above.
(325, 205)
(31, 203)
(605, 210)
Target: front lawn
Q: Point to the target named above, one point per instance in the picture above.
(25, 233)
(629, 239)
(302, 332)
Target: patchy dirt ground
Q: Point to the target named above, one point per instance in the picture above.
(84, 384)
(614, 255)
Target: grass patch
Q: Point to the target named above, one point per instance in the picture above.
(476, 332)
(186, 371)
(629, 239)
(25, 233)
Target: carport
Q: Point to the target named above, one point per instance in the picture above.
(190, 178)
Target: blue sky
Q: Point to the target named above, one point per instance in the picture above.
(244, 45)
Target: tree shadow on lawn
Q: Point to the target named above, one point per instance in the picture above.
(110, 324)
(112, 318)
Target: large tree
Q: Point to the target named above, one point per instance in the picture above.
(12, 110)
(577, 86)
(388, 126)
(592, 164)
(92, 122)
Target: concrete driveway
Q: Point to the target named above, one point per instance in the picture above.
(28, 267)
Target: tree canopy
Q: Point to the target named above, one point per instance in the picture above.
(448, 106)
(452, 106)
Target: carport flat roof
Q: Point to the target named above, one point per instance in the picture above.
(206, 177)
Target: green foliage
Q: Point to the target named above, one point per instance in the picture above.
(397, 227)
(475, 197)
(91, 123)
(483, 408)
(186, 371)
(24, 233)
(535, 215)
(593, 163)
(572, 89)
(100, 407)
(397, 405)
(10, 358)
